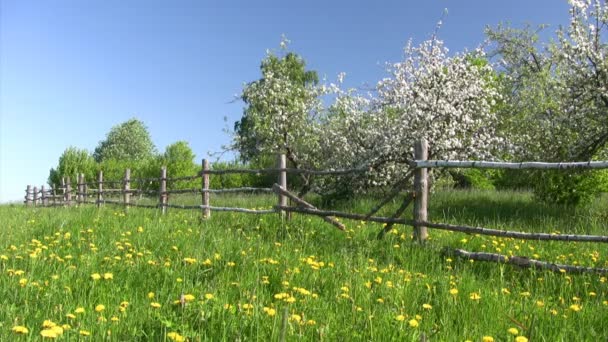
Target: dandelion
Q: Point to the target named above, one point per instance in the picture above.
(70, 316)
(413, 323)
(575, 307)
(540, 303)
(22, 282)
(188, 298)
(100, 308)
(20, 329)
(173, 336)
(295, 318)
(79, 310)
(108, 276)
(270, 311)
(48, 333)
(208, 296)
(400, 318)
(521, 339)
(95, 276)
(155, 305)
(487, 339)
(84, 333)
(114, 319)
(513, 331)
(427, 306)
(475, 296)
(453, 292)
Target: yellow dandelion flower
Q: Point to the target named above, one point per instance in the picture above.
(48, 333)
(413, 323)
(189, 261)
(208, 296)
(540, 303)
(79, 310)
(20, 329)
(513, 331)
(575, 307)
(108, 276)
(427, 306)
(151, 295)
(270, 311)
(22, 282)
(475, 296)
(231, 264)
(207, 262)
(188, 298)
(400, 318)
(173, 336)
(155, 305)
(295, 318)
(70, 316)
(114, 319)
(100, 308)
(48, 324)
(247, 306)
(95, 276)
(84, 333)
(453, 292)
(521, 339)
(487, 339)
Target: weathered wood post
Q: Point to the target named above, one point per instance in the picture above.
(28, 190)
(54, 197)
(99, 188)
(68, 192)
(205, 193)
(282, 165)
(85, 189)
(43, 196)
(63, 192)
(35, 199)
(79, 189)
(127, 188)
(421, 152)
(163, 189)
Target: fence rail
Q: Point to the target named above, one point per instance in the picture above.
(419, 196)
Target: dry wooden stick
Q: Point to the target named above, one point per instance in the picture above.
(521, 261)
(276, 188)
(396, 190)
(406, 202)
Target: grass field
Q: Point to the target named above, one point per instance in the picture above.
(103, 274)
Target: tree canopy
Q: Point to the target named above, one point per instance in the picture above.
(129, 140)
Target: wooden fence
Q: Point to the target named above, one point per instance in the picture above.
(83, 192)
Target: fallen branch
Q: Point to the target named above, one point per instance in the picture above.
(521, 261)
(279, 190)
(406, 202)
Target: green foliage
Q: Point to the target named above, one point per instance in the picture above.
(179, 160)
(472, 179)
(568, 187)
(72, 162)
(127, 141)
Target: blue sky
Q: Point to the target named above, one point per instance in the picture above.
(70, 70)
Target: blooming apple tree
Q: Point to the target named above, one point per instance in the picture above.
(448, 100)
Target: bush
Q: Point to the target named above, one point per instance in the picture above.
(568, 187)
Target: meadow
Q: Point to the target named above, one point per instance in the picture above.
(84, 273)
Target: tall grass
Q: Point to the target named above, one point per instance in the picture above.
(240, 277)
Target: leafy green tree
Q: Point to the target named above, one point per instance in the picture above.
(72, 162)
(179, 160)
(127, 141)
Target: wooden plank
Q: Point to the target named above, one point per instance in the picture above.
(163, 190)
(282, 181)
(99, 188)
(127, 188)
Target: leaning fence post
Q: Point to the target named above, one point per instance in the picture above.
(127, 188)
(28, 190)
(63, 192)
(35, 197)
(421, 151)
(99, 188)
(85, 189)
(43, 195)
(282, 166)
(163, 189)
(205, 181)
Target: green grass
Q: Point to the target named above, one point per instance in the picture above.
(331, 285)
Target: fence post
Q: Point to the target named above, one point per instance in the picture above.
(99, 188)
(79, 189)
(85, 189)
(63, 193)
(43, 195)
(54, 197)
(127, 188)
(205, 181)
(282, 165)
(421, 151)
(28, 190)
(68, 189)
(163, 189)
(35, 197)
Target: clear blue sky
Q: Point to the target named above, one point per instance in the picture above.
(70, 70)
